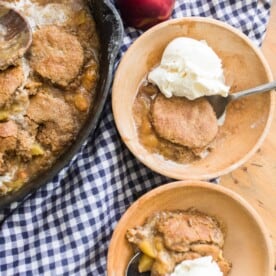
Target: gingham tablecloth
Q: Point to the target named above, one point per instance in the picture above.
(65, 227)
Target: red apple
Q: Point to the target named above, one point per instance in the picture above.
(143, 14)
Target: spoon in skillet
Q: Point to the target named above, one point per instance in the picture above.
(15, 36)
(219, 103)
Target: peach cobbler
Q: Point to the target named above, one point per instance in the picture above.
(170, 237)
(176, 128)
(46, 96)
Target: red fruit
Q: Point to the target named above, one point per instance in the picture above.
(143, 14)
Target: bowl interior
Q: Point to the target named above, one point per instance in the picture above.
(247, 119)
(247, 244)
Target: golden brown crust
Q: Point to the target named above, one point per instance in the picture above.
(188, 123)
(180, 230)
(56, 55)
(10, 80)
(7, 144)
(8, 129)
(8, 136)
(43, 108)
(55, 118)
(174, 236)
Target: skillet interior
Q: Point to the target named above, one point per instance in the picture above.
(110, 30)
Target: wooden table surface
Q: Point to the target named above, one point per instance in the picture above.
(256, 179)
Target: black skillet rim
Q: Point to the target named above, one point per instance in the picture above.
(110, 29)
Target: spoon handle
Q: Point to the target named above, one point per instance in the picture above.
(256, 90)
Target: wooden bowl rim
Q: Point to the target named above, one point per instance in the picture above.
(184, 184)
(179, 174)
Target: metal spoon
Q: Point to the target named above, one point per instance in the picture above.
(219, 103)
(15, 36)
(132, 268)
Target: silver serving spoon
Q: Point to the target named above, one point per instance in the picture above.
(219, 103)
(15, 36)
(132, 268)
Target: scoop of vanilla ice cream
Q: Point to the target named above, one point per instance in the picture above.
(189, 68)
(204, 266)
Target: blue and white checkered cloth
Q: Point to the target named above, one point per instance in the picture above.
(64, 228)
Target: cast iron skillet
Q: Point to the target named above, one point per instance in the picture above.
(110, 30)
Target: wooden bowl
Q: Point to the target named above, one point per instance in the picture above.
(247, 121)
(247, 244)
